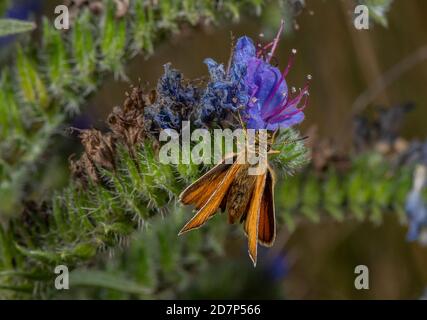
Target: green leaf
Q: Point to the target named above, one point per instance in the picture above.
(13, 26)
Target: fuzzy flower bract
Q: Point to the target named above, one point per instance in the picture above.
(270, 105)
(255, 87)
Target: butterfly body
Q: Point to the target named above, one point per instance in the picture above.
(239, 194)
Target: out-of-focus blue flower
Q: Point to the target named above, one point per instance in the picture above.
(424, 154)
(416, 206)
(416, 153)
(22, 9)
(278, 268)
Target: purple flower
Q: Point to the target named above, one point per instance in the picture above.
(270, 105)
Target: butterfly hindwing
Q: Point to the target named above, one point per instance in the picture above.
(240, 194)
(267, 223)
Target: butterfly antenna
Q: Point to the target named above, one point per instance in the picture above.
(296, 140)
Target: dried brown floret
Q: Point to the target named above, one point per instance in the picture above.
(83, 169)
(99, 147)
(127, 122)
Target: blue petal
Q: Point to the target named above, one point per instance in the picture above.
(292, 121)
(244, 50)
(216, 70)
(270, 86)
(416, 210)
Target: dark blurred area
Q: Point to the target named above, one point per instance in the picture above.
(344, 63)
(316, 261)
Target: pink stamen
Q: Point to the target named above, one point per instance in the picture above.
(287, 116)
(274, 90)
(298, 97)
(262, 50)
(282, 102)
(290, 64)
(276, 40)
(292, 102)
(284, 74)
(268, 45)
(284, 117)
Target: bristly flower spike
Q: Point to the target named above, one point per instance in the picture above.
(252, 82)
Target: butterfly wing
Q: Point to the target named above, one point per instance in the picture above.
(252, 217)
(267, 223)
(199, 191)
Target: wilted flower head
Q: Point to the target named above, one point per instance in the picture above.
(175, 100)
(269, 104)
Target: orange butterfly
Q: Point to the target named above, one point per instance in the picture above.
(247, 198)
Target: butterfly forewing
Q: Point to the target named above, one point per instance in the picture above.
(214, 201)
